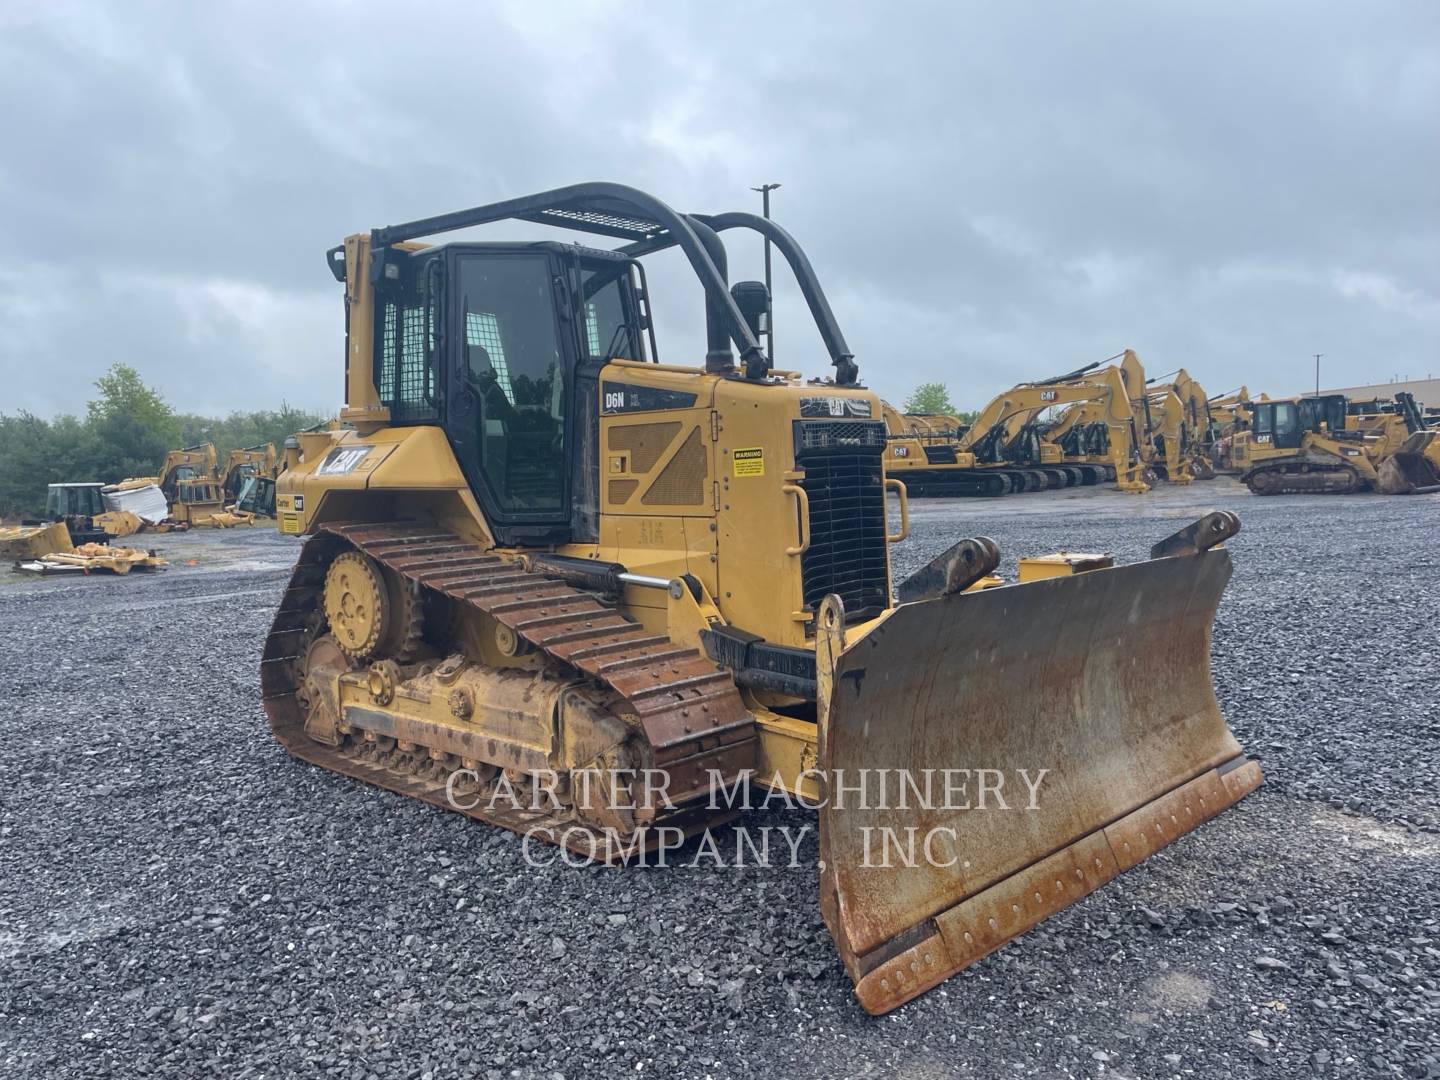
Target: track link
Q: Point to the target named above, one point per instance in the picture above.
(1311, 480)
(690, 711)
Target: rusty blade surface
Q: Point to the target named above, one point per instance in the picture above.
(1101, 678)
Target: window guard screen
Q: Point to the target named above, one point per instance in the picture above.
(404, 372)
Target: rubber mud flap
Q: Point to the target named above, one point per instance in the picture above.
(1093, 688)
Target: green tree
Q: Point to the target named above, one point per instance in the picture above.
(930, 397)
(243, 429)
(132, 426)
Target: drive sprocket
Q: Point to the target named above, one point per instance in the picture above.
(357, 604)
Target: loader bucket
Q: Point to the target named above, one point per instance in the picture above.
(1102, 678)
(1413, 467)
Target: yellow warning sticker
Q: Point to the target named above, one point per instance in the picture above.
(750, 461)
(290, 523)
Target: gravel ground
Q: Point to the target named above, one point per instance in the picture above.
(178, 898)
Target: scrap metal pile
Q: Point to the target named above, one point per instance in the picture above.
(93, 558)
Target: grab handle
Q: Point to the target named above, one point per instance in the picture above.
(899, 487)
(804, 501)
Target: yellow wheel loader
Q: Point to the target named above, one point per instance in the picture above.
(565, 588)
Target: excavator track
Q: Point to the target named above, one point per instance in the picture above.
(1309, 480)
(689, 710)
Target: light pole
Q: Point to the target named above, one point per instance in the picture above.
(1317, 373)
(764, 190)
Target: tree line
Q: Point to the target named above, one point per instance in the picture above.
(126, 431)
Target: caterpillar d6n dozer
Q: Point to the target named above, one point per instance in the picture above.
(540, 561)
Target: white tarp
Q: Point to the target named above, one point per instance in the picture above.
(146, 503)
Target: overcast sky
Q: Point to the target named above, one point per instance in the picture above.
(989, 193)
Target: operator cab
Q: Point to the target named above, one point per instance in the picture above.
(501, 344)
(1284, 424)
(73, 500)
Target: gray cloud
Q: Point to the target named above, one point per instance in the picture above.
(989, 194)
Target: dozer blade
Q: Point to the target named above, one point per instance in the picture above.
(1102, 679)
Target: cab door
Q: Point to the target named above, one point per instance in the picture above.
(509, 378)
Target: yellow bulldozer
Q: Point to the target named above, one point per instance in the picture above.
(571, 590)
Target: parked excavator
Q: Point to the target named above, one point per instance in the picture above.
(1003, 438)
(1159, 420)
(242, 464)
(923, 452)
(1005, 450)
(1100, 432)
(1169, 435)
(1198, 427)
(542, 562)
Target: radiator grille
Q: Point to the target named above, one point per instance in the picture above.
(621, 490)
(845, 484)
